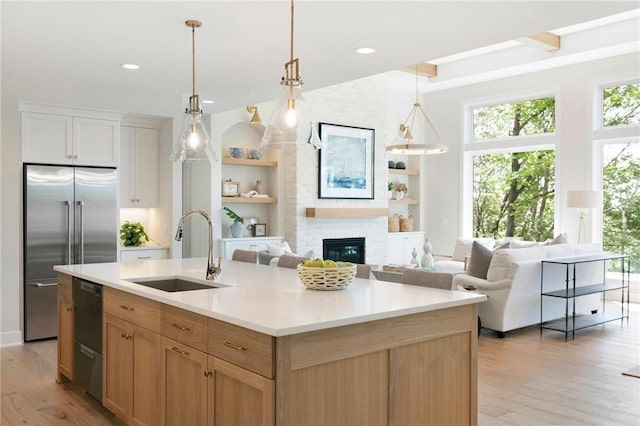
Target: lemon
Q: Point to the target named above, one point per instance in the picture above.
(329, 264)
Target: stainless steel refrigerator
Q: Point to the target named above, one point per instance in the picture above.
(70, 217)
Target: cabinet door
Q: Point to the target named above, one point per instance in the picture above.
(46, 138)
(126, 169)
(118, 366)
(146, 167)
(131, 372)
(238, 396)
(395, 249)
(65, 338)
(147, 356)
(96, 142)
(184, 384)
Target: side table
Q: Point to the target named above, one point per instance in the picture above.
(572, 290)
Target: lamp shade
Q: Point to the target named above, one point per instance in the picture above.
(194, 142)
(290, 122)
(583, 199)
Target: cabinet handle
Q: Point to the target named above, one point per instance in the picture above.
(75, 157)
(137, 200)
(126, 308)
(69, 309)
(175, 349)
(133, 200)
(208, 374)
(69, 156)
(236, 347)
(144, 257)
(126, 336)
(180, 327)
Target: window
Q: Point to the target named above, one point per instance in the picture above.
(621, 105)
(522, 118)
(621, 200)
(513, 191)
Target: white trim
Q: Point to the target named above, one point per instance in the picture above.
(70, 111)
(10, 338)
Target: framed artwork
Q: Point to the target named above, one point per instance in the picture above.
(230, 188)
(260, 230)
(346, 162)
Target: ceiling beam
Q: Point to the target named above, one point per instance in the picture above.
(546, 41)
(424, 68)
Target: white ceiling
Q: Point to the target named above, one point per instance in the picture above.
(70, 52)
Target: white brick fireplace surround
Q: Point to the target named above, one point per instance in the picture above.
(362, 103)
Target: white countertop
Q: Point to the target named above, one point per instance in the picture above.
(123, 248)
(270, 299)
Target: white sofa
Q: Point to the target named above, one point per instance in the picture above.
(513, 286)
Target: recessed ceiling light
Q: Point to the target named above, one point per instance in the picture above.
(208, 101)
(130, 66)
(365, 50)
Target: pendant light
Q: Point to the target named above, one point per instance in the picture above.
(194, 142)
(291, 117)
(415, 128)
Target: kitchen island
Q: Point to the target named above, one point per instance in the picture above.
(261, 349)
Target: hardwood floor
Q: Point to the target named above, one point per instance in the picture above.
(523, 380)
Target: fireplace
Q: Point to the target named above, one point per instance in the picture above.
(344, 249)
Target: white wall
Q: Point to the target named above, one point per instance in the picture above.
(574, 152)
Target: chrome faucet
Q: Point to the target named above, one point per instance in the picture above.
(212, 271)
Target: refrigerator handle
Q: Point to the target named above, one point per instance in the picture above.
(68, 204)
(81, 204)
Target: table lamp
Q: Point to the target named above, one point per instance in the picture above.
(583, 199)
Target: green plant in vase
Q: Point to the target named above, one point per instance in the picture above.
(132, 234)
(236, 227)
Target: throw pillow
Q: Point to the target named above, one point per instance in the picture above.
(561, 239)
(275, 250)
(462, 249)
(479, 261)
(522, 244)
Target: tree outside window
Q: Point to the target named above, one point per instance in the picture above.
(621, 105)
(513, 192)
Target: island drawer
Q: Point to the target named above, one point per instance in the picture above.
(185, 327)
(245, 348)
(138, 310)
(64, 287)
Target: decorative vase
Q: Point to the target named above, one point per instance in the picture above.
(258, 187)
(237, 229)
(414, 258)
(427, 258)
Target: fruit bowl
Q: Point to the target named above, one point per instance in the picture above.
(336, 278)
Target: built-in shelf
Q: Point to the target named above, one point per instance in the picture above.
(346, 212)
(249, 200)
(404, 172)
(405, 201)
(248, 162)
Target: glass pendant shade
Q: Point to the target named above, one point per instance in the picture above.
(194, 142)
(290, 122)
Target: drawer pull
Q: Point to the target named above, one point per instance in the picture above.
(127, 308)
(175, 349)
(144, 257)
(69, 309)
(208, 374)
(180, 327)
(236, 347)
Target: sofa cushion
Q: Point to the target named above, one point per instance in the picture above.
(501, 266)
(462, 249)
(480, 260)
(516, 244)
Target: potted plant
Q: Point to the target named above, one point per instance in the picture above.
(390, 187)
(236, 227)
(132, 234)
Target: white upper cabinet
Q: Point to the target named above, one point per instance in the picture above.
(138, 172)
(57, 135)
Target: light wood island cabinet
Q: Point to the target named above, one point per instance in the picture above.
(164, 365)
(65, 328)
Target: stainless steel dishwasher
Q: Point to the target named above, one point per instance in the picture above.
(87, 345)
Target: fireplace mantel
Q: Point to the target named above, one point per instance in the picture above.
(347, 212)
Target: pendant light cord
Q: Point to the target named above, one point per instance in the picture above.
(291, 52)
(193, 59)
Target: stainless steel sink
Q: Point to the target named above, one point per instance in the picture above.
(173, 284)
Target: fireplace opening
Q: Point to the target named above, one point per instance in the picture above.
(344, 249)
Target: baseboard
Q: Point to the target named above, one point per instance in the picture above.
(10, 338)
